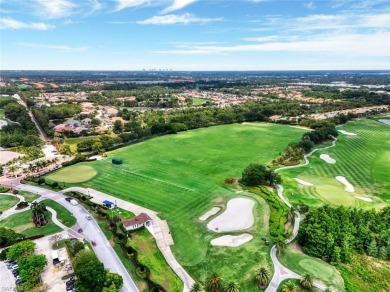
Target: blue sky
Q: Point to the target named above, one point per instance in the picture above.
(194, 34)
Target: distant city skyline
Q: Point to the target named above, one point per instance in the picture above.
(194, 35)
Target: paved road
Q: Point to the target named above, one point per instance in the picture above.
(7, 279)
(91, 231)
(42, 134)
(281, 272)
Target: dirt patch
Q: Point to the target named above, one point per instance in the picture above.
(218, 200)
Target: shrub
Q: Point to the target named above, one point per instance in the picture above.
(54, 184)
(15, 192)
(41, 181)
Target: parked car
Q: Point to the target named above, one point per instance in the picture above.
(93, 243)
(68, 288)
(68, 199)
(18, 282)
(70, 283)
(15, 268)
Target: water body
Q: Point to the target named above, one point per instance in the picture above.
(385, 121)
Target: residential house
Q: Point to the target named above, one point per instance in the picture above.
(137, 222)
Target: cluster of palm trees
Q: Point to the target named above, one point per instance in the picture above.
(214, 283)
(306, 282)
(40, 164)
(39, 217)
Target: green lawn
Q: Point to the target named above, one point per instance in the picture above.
(29, 197)
(363, 160)
(22, 223)
(182, 176)
(198, 101)
(1, 113)
(63, 215)
(150, 256)
(72, 175)
(301, 263)
(7, 201)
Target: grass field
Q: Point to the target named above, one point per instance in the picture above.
(320, 270)
(69, 175)
(182, 176)
(149, 255)
(63, 215)
(363, 160)
(7, 201)
(2, 113)
(198, 101)
(29, 197)
(22, 223)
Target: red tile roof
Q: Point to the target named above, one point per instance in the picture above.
(140, 219)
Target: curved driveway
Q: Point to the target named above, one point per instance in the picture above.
(91, 231)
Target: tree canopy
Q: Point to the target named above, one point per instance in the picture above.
(256, 174)
(21, 249)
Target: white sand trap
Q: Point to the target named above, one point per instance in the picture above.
(237, 216)
(302, 182)
(232, 240)
(209, 213)
(344, 181)
(327, 158)
(364, 199)
(347, 133)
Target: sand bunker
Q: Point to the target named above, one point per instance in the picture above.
(209, 213)
(237, 216)
(302, 182)
(327, 158)
(364, 199)
(232, 240)
(347, 133)
(344, 181)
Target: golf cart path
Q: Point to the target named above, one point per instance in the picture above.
(281, 272)
(54, 218)
(91, 231)
(160, 230)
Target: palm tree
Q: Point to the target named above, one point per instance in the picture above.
(232, 287)
(214, 283)
(307, 281)
(262, 278)
(196, 288)
(280, 245)
(289, 287)
(38, 210)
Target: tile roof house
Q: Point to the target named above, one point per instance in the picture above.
(137, 222)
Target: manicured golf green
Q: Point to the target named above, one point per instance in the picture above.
(74, 175)
(363, 160)
(63, 215)
(182, 176)
(22, 223)
(7, 201)
(320, 270)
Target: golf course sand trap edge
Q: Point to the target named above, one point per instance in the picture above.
(364, 199)
(344, 181)
(232, 240)
(209, 213)
(237, 216)
(347, 133)
(327, 158)
(302, 182)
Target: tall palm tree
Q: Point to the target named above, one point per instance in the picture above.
(214, 283)
(196, 288)
(38, 210)
(289, 287)
(280, 245)
(262, 278)
(307, 281)
(232, 287)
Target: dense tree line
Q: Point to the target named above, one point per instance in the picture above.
(22, 131)
(333, 234)
(256, 174)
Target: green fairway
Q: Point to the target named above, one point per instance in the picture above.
(74, 175)
(363, 160)
(7, 201)
(182, 176)
(63, 215)
(320, 270)
(22, 223)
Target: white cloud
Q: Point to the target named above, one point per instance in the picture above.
(177, 5)
(60, 48)
(122, 4)
(185, 18)
(55, 8)
(309, 5)
(95, 6)
(10, 23)
(374, 45)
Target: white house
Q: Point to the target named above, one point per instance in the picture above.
(137, 222)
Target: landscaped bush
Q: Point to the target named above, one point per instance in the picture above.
(3, 189)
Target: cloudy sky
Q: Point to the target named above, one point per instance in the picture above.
(194, 34)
